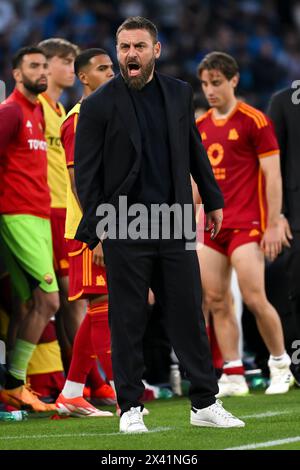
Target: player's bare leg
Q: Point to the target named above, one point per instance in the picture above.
(216, 277)
(217, 300)
(73, 312)
(68, 320)
(44, 305)
(88, 344)
(248, 261)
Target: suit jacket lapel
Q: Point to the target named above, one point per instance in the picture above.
(127, 113)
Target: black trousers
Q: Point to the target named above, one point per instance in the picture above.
(293, 273)
(173, 274)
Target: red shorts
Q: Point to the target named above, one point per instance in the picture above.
(60, 249)
(229, 239)
(49, 384)
(85, 277)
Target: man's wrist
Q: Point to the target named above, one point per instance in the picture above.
(274, 221)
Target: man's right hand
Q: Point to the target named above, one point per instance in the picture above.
(98, 257)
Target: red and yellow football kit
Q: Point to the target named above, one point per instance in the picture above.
(53, 116)
(23, 175)
(85, 277)
(234, 146)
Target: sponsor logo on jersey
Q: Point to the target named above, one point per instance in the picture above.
(35, 144)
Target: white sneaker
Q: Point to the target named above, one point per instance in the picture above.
(232, 386)
(215, 416)
(281, 378)
(132, 421)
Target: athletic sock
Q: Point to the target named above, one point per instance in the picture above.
(83, 357)
(100, 336)
(72, 389)
(94, 378)
(234, 367)
(20, 357)
(284, 358)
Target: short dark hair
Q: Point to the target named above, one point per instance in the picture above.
(138, 22)
(84, 57)
(58, 47)
(221, 61)
(18, 57)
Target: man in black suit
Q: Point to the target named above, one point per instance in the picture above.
(136, 137)
(284, 110)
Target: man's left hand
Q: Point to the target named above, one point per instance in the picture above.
(214, 222)
(98, 257)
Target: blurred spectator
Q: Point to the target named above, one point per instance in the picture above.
(263, 36)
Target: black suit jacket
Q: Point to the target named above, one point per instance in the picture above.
(286, 117)
(108, 150)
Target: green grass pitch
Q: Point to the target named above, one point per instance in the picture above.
(272, 422)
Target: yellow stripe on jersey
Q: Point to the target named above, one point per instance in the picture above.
(204, 116)
(55, 152)
(75, 120)
(77, 252)
(74, 213)
(261, 200)
(262, 118)
(90, 258)
(272, 153)
(256, 115)
(84, 269)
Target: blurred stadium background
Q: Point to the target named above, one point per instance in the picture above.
(263, 35)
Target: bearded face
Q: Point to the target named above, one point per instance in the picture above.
(137, 52)
(137, 75)
(32, 73)
(35, 86)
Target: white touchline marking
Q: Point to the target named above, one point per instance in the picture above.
(267, 414)
(84, 434)
(257, 445)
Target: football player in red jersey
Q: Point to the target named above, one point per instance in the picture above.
(24, 219)
(87, 276)
(244, 155)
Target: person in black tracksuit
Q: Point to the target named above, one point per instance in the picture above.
(284, 110)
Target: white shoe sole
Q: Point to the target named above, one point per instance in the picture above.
(139, 431)
(241, 394)
(64, 411)
(208, 424)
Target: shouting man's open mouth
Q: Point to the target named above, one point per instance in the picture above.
(134, 69)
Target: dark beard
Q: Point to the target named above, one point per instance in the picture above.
(137, 83)
(33, 87)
